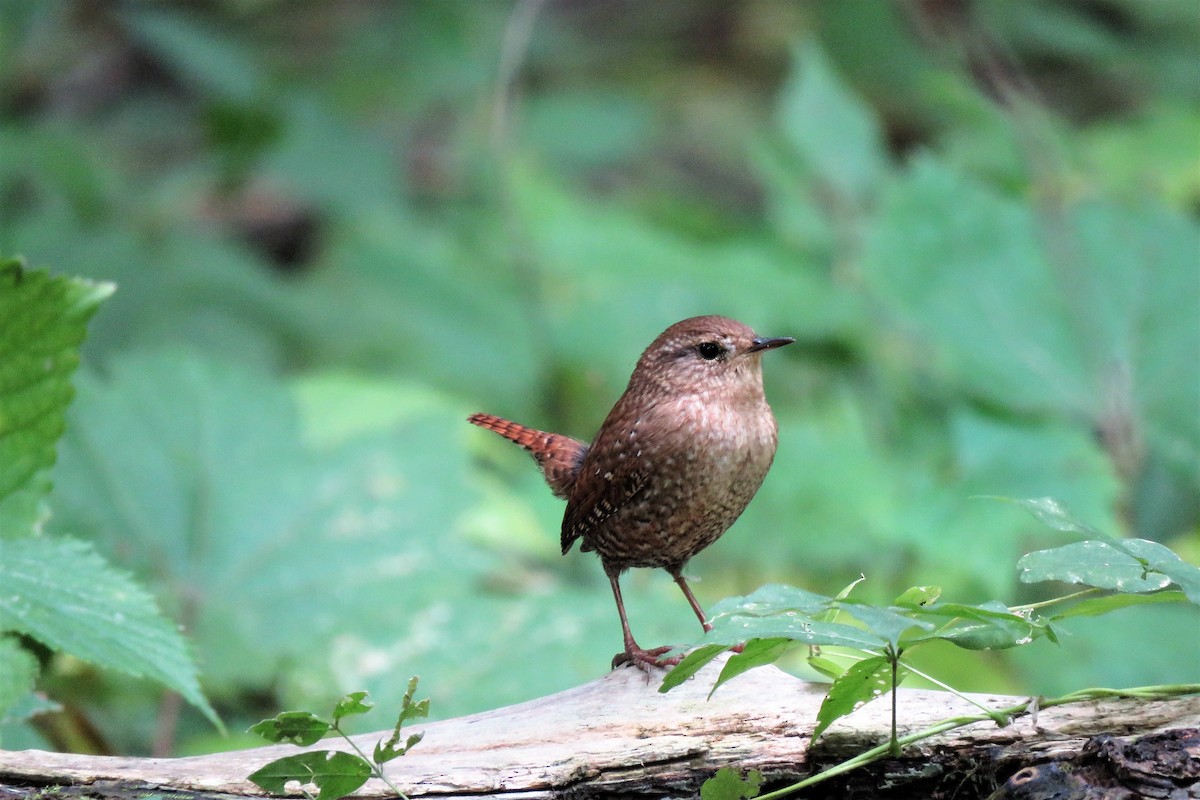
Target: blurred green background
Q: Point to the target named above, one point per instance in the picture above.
(339, 227)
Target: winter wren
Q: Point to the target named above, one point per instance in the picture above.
(674, 464)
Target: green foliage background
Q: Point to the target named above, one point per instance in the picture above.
(338, 228)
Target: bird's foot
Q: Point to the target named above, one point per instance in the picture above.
(646, 660)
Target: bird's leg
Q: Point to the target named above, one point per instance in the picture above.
(640, 658)
(677, 574)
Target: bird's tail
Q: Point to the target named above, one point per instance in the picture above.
(558, 456)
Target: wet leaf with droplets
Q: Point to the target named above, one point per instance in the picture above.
(772, 599)
(1092, 563)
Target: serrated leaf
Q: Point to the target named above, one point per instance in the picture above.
(858, 685)
(300, 728)
(1091, 563)
(1094, 606)
(756, 653)
(353, 703)
(335, 773)
(692, 663)
(728, 784)
(198, 472)
(43, 320)
(99, 615)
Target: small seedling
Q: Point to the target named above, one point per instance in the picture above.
(333, 774)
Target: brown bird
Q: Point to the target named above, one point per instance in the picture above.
(674, 464)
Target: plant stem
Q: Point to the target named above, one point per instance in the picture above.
(1054, 600)
(894, 745)
(955, 692)
(376, 769)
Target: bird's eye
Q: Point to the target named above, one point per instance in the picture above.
(709, 350)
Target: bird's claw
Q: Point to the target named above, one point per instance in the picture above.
(645, 660)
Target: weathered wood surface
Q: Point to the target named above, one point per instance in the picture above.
(618, 735)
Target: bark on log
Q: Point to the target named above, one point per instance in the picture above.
(617, 736)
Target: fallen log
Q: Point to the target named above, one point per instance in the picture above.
(618, 736)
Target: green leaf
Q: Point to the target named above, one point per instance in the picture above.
(831, 129)
(774, 598)
(1095, 606)
(888, 624)
(43, 319)
(1092, 563)
(780, 611)
(756, 653)
(353, 703)
(728, 784)
(386, 751)
(26, 708)
(1053, 514)
(1162, 559)
(1096, 322)
(198, 473)
(918, 596)
(830, 669)
(18, 673)
(860, 684)
(300, 728)
(336, 774)
(989, 626)
(60, 592)
(993, 609)
(410, 709)
(692, 663)
(208, 61)
(989, 634)
(830, 614)
(734, 630)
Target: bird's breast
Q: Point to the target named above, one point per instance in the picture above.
(702, 461)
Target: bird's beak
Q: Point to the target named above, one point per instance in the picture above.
(761, 343)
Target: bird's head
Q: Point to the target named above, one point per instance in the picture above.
(706, 355)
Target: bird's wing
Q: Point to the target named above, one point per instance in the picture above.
(598, 499)
(611, 475)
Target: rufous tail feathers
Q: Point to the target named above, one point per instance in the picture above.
(558, 456)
